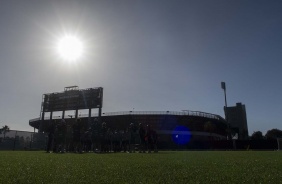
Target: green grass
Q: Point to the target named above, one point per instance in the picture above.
(163, 167)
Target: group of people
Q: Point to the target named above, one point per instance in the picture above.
(97, 137)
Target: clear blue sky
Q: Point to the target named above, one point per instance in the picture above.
(147, 54)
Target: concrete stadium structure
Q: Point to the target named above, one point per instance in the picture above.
(200, 126)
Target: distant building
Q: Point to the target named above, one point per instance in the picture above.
(237, 119)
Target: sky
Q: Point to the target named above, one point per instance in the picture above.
(148, 55)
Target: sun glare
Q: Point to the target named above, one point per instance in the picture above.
(70, 48)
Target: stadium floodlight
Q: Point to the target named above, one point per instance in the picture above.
(223, 86)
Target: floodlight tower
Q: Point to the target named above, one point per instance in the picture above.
(223, 86)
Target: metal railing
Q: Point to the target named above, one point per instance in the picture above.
(176, 113)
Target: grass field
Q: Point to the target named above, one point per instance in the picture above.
(162, 167)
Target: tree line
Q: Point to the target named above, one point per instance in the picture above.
(4, 130)
(272, 134)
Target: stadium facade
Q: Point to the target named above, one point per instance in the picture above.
(171, 126)
(174, 129)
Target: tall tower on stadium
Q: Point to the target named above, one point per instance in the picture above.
(237, 118)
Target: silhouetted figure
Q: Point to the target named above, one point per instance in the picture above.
(110, 140)
(116, 140)
(61, 139)
(56, 138)
(142, 133)
(86, 140)
(132, 137)
(51, 132)
(76, 136)
(125, 140)
(104, 138)
(69, 137)
(148, 138)
(96, 135)
(107, 141)
(153, 141)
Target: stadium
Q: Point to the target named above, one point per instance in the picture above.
(174, 129)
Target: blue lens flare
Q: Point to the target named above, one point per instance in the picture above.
(181, 135)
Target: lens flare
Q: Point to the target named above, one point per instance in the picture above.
(181, 135)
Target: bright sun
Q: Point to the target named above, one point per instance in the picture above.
(70, 48)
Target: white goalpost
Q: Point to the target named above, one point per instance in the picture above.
(279, 144)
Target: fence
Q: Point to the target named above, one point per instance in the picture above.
(183, 113)
(22, 140)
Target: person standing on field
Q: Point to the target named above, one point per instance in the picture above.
(142, 133)
(77, 136)
(69, 138)
(62, 134)
(104, 138)
(132, 137)
(51, 133)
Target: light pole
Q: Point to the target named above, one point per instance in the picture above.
(223, 86)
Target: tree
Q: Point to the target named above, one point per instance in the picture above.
(257, 135)
(273, 134)
(5, 129)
